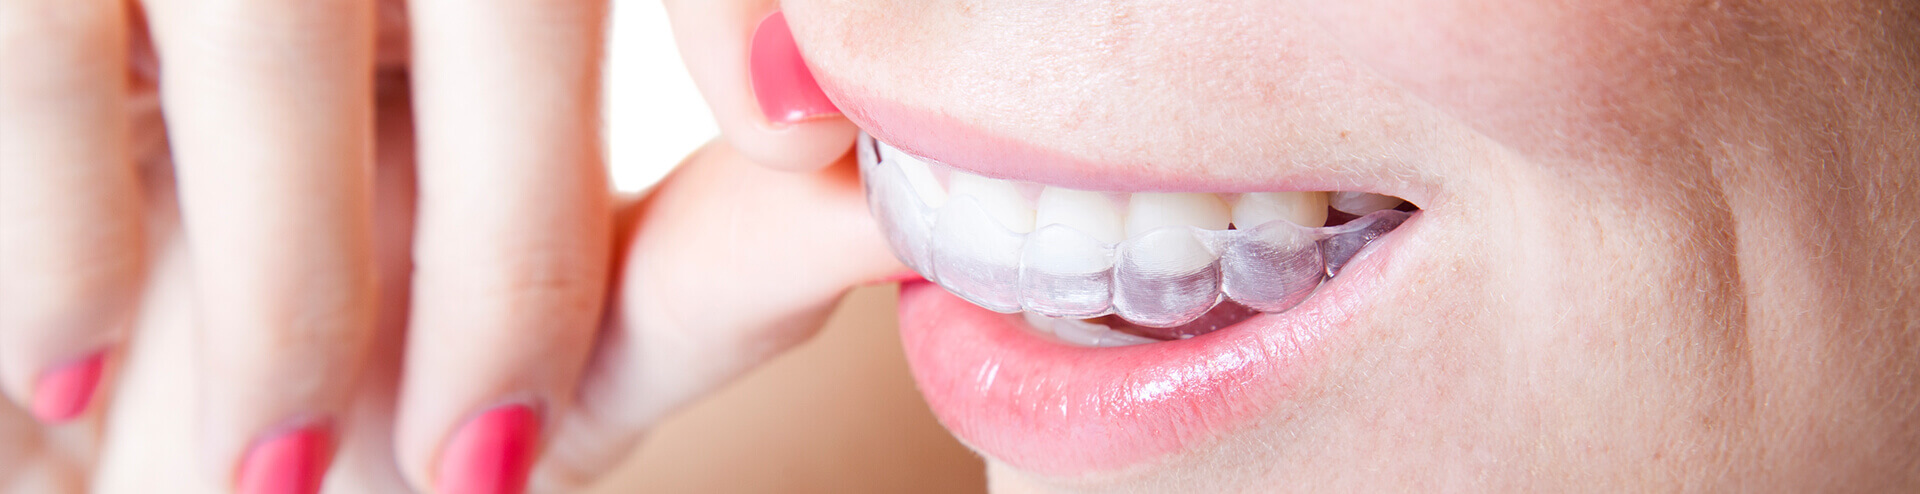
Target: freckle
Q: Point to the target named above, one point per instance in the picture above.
(1343, 134)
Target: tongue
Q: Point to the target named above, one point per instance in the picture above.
(1225, 314)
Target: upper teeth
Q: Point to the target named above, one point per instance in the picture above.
(1091, 213)
(1096, 214)
(920, 176)
(1154, 258)
(1362, 203)
(1000, 198)
(1149, 210)
(1300, 208)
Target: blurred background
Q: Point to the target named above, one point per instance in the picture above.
(838, 414)
(654, 113)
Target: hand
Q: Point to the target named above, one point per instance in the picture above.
(292, 270)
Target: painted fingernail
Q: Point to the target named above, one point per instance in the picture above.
(786, 89)
(291, 463)
(491, 453)
(64, 392)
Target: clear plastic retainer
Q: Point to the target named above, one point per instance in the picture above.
(1165, 277)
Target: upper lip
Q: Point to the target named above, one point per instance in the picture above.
(959, 144)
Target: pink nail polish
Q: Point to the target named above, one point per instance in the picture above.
(64, 392)
(786, 89)
(291, 463)
(491, 454)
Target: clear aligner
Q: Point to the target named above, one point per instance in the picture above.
(1163, 277)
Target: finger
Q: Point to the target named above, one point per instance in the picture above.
(152, 418)
(149, 421)
(70, 232)
(513, 236)
(767, 103)
(366, 461)
(729, 264)
(269, 105)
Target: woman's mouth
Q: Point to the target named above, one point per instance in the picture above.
(1089, 331)
(1115, 268)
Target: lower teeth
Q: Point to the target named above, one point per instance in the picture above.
(1082, 332)
(1111, 331)
(1164, 284)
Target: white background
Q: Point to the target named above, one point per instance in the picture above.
(655, 116)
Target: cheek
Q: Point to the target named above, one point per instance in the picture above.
(1528, 73)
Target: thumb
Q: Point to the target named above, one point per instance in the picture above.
(727, 264)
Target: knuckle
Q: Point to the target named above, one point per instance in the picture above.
(85, 291)
(563, 288)
(542, 283)
(343, 315)
(323, 325)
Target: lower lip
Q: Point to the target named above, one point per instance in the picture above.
(1052, 409)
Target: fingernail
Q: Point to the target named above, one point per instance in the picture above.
(64, 392)
(291, 463)
(781, 81)
(491, 453)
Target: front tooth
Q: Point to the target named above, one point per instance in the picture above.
(1039, 322)
(1361, 203)
(999, 198)
(1089, 212)
(1164, 278)
(1077, 334)
(975, 257)
(1083, 333)
(1308, 209)
(920, 176)
(1149, 210)
(1066, 273)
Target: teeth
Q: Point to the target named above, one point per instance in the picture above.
(1361, 203)
(1069, 261)
(905, 218)
(1300, 208)
(1066, 273)
(919, 174)
(1157, 260)
(1000, 198)
(1273, 271)
(921, 178)
(975, 255)
(1038, 322)
(1089, 212)
(1083, 333)
(1149, 210)
(1340, 248)
(1172, 278)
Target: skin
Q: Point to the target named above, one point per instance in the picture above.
(1671, 246)
(378, 219)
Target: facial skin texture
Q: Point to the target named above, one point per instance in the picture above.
(1674, 242)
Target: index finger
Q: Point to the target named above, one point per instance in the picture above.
(767, 103)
